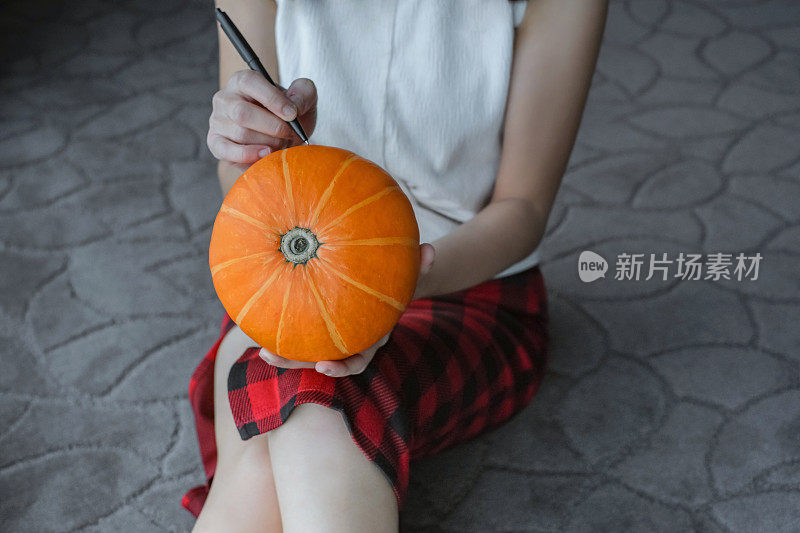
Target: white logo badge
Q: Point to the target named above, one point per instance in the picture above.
(591, 266)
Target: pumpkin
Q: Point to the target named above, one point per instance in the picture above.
(315, 253)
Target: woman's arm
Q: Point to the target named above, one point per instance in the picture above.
(555, 52)
(249, 115)
(256, 20)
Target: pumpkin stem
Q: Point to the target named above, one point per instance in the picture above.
(298, 245)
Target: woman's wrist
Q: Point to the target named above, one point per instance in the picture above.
(228, 173)
(428, 254)
(424, 288)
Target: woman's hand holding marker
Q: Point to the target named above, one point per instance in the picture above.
(249, 117)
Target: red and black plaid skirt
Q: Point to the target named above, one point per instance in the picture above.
(454, 366)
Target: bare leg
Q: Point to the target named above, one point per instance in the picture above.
(242, 496)
(324, 482)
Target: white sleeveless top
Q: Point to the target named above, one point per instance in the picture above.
(417, 86)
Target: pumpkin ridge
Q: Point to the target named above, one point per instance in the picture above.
(288, 182)
(329, 190)
(377, 196)
(225, 264)
(258, 294)
(366, 288)
(378, 241)
(332, 331)
(235, 213)
(283, 313)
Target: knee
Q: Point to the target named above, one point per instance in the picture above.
(315, 459)
(311, 428)
(311, 420)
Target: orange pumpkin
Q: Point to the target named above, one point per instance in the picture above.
(315, 253)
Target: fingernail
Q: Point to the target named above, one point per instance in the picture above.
(289, 112)
(264, 152)
(295, 98)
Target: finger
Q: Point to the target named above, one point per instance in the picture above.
(427, 256)
(277, 360)
(252, 116)
(274, 147)
(253, 85)
(303, 93)
(240, 134)
(355, 364)
(227, 150)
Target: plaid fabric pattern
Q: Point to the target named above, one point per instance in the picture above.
(455, 366)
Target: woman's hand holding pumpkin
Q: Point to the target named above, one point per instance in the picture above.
(249, 117)
(355, 364)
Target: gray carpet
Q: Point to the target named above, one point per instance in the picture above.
(670, 405)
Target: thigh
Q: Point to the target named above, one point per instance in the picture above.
(242, 497)
(229, 444)
(471, 360)
(324, 482)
